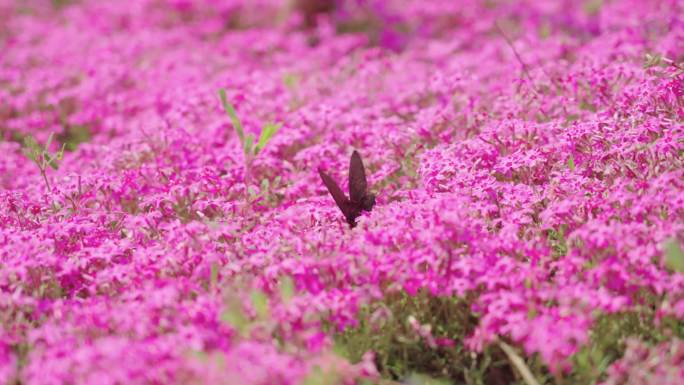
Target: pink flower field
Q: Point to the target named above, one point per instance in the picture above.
(163, 221)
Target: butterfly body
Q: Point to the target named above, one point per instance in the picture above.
(359, 199)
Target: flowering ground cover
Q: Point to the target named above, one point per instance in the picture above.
(527, 158)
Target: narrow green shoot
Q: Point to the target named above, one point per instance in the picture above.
(267, 133)
(249, 142)
(213, 279)
(42, 157)
(235, 317)
(230, 110)
(260, 304)
(287, 289)
(674, 256)
(250, 149)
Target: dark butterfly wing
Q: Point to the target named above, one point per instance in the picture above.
(337, 194)
(357, 179)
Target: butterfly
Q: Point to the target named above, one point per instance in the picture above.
(359, 198)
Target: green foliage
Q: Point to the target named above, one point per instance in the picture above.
(234, 316)
(421, 379)
(260, 303)
(291, 81)
(230, 110)
(287, 289)
(655, 61)
(213, 279)
(651, 61)
(57, 4)
(247, 145)
(41, 156)
(407, 174)
(266, 195)
(607, 344)
(250, 149)
(267, 131)
(318, 376)
(544, 30)
(401, 354)
(74, 135)
(557, 241)
(674, 256)
(593, 7)
(519, 363)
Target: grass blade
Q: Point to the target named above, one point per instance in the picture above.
(674, 256)
(248, 143)
(230, 110)
(519, 364)
(267, 133)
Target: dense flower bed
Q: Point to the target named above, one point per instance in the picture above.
(527, 156)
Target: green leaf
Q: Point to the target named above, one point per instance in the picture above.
(60, 153)
(571, 162)
(30, 142)
(31, 148)
(30, 154)
(49, 142)
(652, 60)
(248, 143)
(287, 288)
(592, 7)
(51, 161)
(260, 303)
(340, 350)
(235, 318)
(290, 81)
(421, 379)
(267, 133)
(519, 363)
(318, 376)
(528, 283)
(230, 110)
(213, 279)
(674, 256)
(544, 30)
(264, 185)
